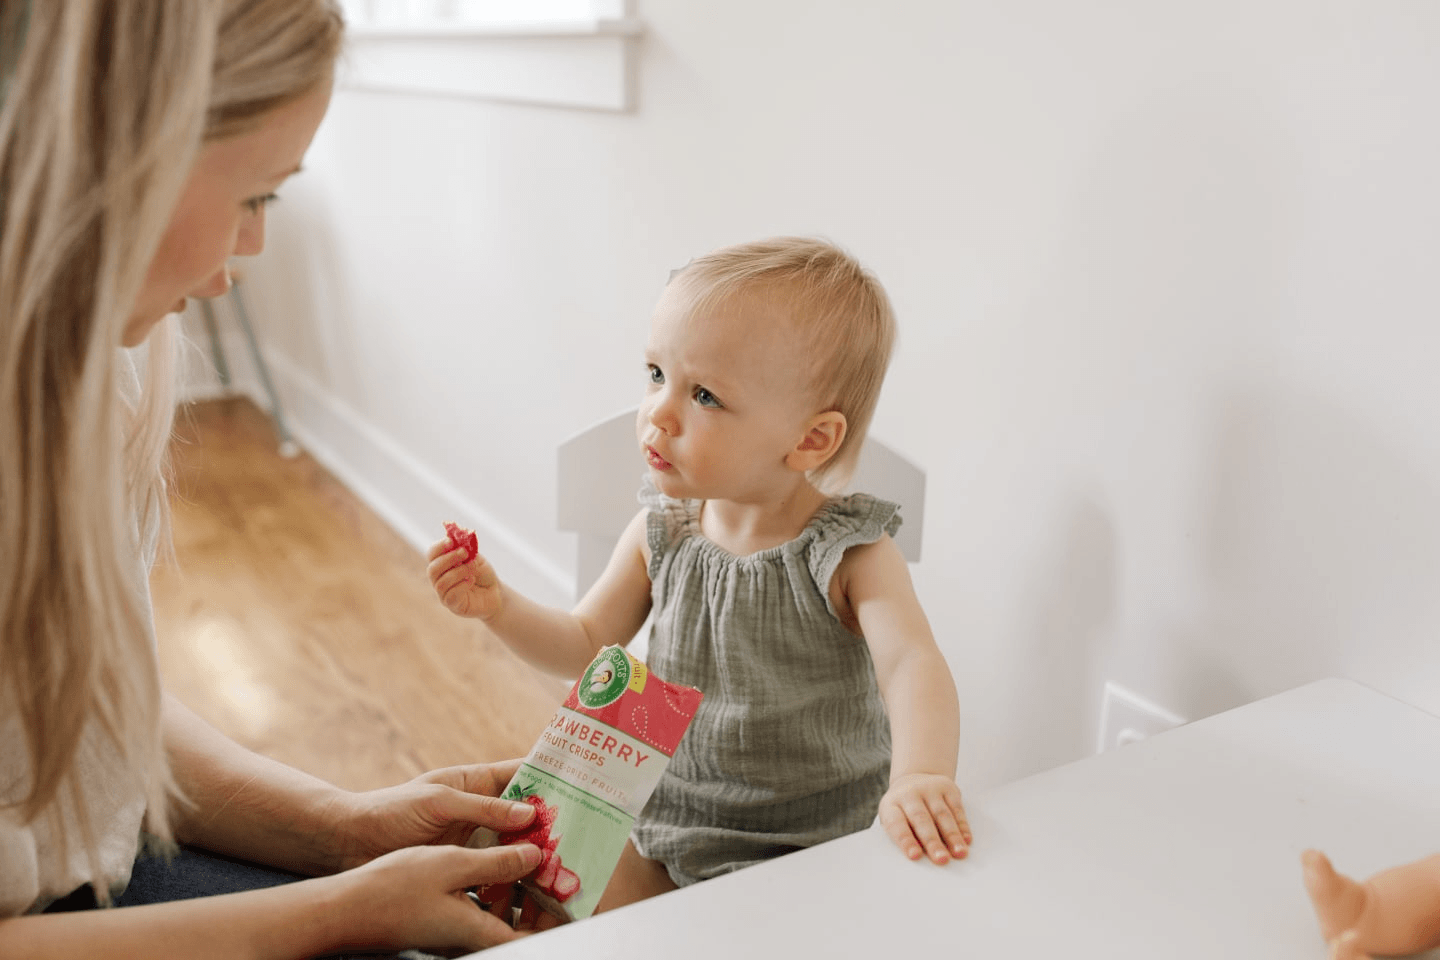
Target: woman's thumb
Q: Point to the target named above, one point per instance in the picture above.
(495, 864)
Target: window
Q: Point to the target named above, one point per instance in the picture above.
(571, 53)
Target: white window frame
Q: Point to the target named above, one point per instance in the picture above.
(563, 53)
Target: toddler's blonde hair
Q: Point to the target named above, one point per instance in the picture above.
(836, 307)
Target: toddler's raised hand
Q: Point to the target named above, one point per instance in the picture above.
(463, 580)
(923, 814)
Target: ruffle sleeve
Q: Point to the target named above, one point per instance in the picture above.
(846, 522)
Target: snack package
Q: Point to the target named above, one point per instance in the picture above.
(590, 773)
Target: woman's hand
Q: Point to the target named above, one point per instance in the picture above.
(416, 898)
(440, 807)
(468, 588)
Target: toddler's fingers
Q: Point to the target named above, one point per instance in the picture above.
(962, 820)
(453, 559)
(893, 819)
(922, 824)
(951, 829)
(451, 579)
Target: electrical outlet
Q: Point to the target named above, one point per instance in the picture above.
(1127, 717)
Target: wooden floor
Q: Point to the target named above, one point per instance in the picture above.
(301, 625)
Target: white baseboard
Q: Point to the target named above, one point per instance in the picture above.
(405, 493)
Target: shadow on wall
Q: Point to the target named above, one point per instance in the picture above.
(1071, 609)
(1321, 558)
(1169, 250)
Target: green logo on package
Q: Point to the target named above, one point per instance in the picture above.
(605, 679)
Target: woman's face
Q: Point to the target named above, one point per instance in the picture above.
(221, 212)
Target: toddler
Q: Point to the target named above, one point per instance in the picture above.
(791, 609)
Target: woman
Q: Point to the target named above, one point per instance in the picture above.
(139, 143)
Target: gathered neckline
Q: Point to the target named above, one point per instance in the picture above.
(801, 540)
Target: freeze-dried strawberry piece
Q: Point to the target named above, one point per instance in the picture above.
(461, 537)
(545, 879)
(567, 883)
(538, 832)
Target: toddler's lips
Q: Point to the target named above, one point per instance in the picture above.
(655, 460)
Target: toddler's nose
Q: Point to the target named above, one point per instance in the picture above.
(660, 414)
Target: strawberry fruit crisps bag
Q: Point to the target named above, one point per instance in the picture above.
(590, 774)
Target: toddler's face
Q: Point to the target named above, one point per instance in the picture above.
(726, 399)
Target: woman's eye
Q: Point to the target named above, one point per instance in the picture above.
(656, 376)
(705, 398)
(256, 204)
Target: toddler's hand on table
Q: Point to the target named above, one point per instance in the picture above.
(468, 588)
(923, 814)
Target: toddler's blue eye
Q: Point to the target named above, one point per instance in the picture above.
(705, 398)
(656, 376)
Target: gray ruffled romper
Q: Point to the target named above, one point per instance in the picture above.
(791, 745)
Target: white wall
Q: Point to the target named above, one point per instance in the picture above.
(1167, 285)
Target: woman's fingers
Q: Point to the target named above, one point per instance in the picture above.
(499, 815)
(485, 779)
(468, 868)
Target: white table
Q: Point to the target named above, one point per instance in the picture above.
(1185, 845)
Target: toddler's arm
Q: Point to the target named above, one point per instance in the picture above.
(556, 641)
(922, 811)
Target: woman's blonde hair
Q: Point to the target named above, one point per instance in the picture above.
(106, 105)
(838, 309)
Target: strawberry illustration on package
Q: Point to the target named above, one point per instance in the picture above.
(590, 774)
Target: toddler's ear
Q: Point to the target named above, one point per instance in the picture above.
(823, 436)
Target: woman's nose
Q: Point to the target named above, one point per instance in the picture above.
(251, 238)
